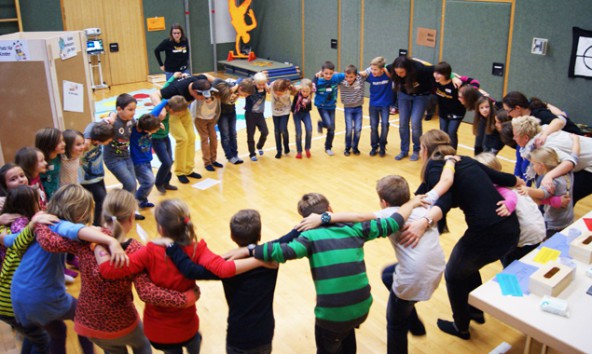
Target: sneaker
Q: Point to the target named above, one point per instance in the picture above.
(217, 164)
(428, 117)
(260, 152)
(278, 155)
(68, 279)
(394, 110)
(194, 175)
(239, 160)
(320, 127)
(287, 152)
(73, 262)
(146, 204)
(253, 158)
(373, 152)
(139, 217)
(382, 152)
(160, 189)
(356, 152)
(183, 179)
(414, 156)
(329, 152)
(308, 153)
(234, 160)
(70, 273)
(401, 156)
(346, 153)
(299, 155)
(210, 168)
(169, 187)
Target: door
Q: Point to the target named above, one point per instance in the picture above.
(320, 26)
(124, 25)
(475, 37)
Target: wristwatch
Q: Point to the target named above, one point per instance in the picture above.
(430, 221)
(251, 248)
(326, 218)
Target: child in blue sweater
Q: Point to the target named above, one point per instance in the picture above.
(327, 84)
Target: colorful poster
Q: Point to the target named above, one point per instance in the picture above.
(14, 50)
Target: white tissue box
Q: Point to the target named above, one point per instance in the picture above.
(551, 279)
(580, 249)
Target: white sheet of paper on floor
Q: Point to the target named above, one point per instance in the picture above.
(205, 184)
(142, 233)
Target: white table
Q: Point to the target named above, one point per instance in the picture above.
(567, 335)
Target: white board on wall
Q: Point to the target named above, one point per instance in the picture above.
(224, 32)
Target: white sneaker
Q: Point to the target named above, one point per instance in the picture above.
(329, 152)
(68, 279)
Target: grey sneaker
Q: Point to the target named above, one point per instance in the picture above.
(329, 152)
(401, 156)
(414, 156)
(233, 160)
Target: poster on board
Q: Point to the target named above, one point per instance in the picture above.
(73, 96)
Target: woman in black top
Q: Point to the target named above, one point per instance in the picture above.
(414, 82)
(488, 236)
(176, 51)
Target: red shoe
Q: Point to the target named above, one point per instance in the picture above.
(299, 155)
(308, 153)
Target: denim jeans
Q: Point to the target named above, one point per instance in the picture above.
(162, 148)
(353, 127)
(255, 120)
(192, 345)
(303, 117)
(400, 314)
(329, 342)
(99, 192)
(57, 331)
(146, 178)
(36, 339)
(467, 257)
(168, 74)
(411, 108)
(135, 339)
(123, 170)
(379, 114)
(280, 130)
(450, 127)
(328, 118)
(227, 129)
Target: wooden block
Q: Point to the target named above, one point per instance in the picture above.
(580, 249)
(158, 78)
(551, 279)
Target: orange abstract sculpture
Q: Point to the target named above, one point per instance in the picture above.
(238, 21)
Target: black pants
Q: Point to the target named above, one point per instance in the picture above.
(329, 342)
(582, 185)
(99, 193)
(255, 120)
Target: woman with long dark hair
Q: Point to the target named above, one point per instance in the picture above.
(176, 51)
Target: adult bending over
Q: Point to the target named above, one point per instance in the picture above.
(488, 236)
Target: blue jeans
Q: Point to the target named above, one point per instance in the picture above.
(168, 74)
(450, 127)
(376, 114)
(328, 117)
(162, 148)
(400, 314)
(303, 117)
(227, 129)
(353, 127)
(192, 345)
(280, 129)
(123, 170)
(146, 179)
(411, 108)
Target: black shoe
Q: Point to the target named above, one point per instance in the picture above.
(139, 217)
(346, 153)
(356, 152)
(428, 117)
(217, 164)
(373, 152)
(161, 189)
(417, 328)
(477, 317)
(278, 155)
(382, 152)
(194, 175)
(183, 179)
(168, 187)
(450, 328)
(210, 168)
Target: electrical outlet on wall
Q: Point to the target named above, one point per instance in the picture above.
(539, 46)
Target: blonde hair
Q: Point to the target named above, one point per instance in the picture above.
(260, 78)
(545, 155)
(378, 61)
(72, 203)
(526, 126)
(437, 145)
(312, 203)
(174, 219)
(489, 160)
(177, 103)
(119, 205)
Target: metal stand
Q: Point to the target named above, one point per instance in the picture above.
(102, 84)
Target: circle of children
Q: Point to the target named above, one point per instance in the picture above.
(47, 197)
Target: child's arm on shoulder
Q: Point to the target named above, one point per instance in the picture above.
(152, 294)
(186, 266)
(575, 145)
(315, 220)
(137, 262)
(508, 205)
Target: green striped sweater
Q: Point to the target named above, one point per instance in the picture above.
(336, 258)
(12, 260)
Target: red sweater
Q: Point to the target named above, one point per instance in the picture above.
(105, 307)
(167, 325)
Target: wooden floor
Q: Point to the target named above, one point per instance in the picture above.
(273, 187)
